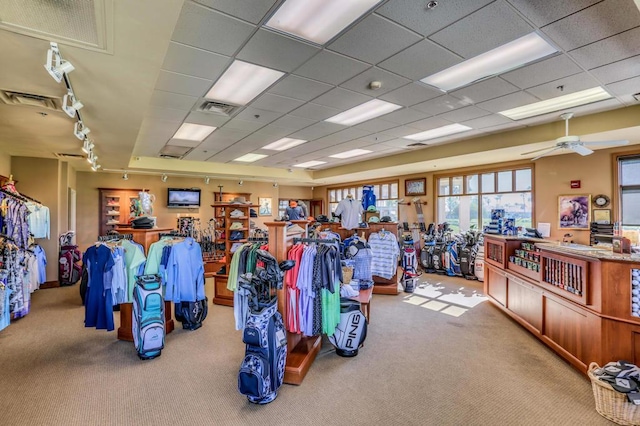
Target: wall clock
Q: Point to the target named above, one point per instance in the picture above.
(601, 200)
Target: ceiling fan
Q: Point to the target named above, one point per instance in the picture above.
(572, 142)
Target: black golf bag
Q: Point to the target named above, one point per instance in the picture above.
(262, 370)
(352, 329)
(468, 253)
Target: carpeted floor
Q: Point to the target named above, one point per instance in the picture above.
(442, 356)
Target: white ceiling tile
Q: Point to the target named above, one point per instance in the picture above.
(224, 137)
(276, 103)
(172, 100)
(420, 60)
(341, 136)
(625, 87)
(301, 88)
(263, 116)
(315, 112)
(317, 130)
(373, 39)
(377, 137)
(487, 121)
(404, 116)
(376, 125)
(183, 142)
(429, 123)
(542, 72)
(509, 101)
(192, 61)
(238, 124)
(570, 84)
(360, 83)
(198, 155)
(331, 68)
(206, 118)
(484, 90)
(612, 49)
(440, 104)
(291, 122)
(276, 51)
(462, 114)
(542, 13)
(617, 71)
(411, 94)
(488, 28)
(400, 131)
(202, 27)
(256, 141)
(341, 99)
(249, 10)
(594, 23)
(183, 84)
(169, 114)
(274, 132)
(414, 15)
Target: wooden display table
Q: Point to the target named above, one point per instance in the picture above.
(365, 301)
(575, 299)
(144, 237)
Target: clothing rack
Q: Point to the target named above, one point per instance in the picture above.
(173, 234)
(20, 197)
(258, 240)
(115, 237)
(314, 240)
(8, 238)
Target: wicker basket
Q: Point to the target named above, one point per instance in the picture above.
(347, 274)
(612, 405)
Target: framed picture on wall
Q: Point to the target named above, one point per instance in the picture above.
(415, 186)
(265, 206)
(573, 211)
(602, 216)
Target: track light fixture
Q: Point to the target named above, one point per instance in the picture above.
(87, 146)
(241, 183)
(164, 177)
(90, 157)
(56, 66)
(207, 180)
(70, 104)
(275, 184)
(95, 167)
(80, 130)
(125, 176)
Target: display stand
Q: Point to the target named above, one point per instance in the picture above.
(302, 351)
(144, 237)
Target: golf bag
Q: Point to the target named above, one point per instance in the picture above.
(192, 314)
(437, 257)
(426, 255)
(468, 256)
(450, 261)
(352, 329)
(262, 370)
(410, 272)
(148, 316)
(69, 270)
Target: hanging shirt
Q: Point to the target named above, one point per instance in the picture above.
(133, 258)
(185, 272)
(350, 210)
(39, 222)
(42, 264)
(5, 293)
(307, 292)
(98, 301)
(384, 254)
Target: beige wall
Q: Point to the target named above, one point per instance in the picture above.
(295, 192)
(39, 179)
(88, 206)
(552, 178)
(5, 164)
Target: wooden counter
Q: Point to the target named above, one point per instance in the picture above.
(575, 299)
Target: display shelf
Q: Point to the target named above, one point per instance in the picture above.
(526, 261)
(112, 199)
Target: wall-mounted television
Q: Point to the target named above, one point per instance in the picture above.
(184, 198)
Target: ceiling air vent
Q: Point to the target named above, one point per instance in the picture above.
(64, 155)
(174, 152)
(413, 145)
(28, 99)
(218, 108)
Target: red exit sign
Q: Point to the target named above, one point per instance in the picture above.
(575, 184)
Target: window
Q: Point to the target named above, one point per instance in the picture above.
(386, 197)
(629, 192)
(465, 201)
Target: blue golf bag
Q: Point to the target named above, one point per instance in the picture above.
(148, 316)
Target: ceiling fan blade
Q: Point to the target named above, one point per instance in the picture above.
(555, 148)
(609, 143)
(537, 150)
(582, 150)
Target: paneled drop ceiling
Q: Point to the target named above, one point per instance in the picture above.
(397, 42)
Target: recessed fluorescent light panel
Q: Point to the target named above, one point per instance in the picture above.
(366, 111)
(250, 158)
(352, 153)
(556, 104)
(438, 132)
(318, 21)
(193, 132)
(496, 61)
(283, 144)
(310, 164)
(242, 82)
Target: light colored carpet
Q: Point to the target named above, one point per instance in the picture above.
(442, 356)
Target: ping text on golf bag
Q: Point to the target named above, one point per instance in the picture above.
(148, 316)
(352, 329)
